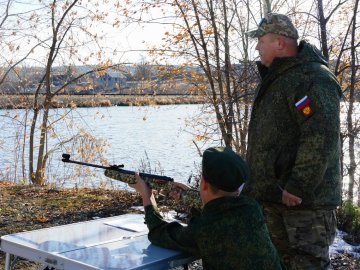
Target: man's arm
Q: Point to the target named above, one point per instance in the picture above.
(168, 235)
(318, 140)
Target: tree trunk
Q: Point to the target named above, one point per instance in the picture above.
(350, 125)
(31, 144)
(39, 177)
(323, 34)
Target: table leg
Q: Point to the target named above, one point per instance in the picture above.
(8, 261)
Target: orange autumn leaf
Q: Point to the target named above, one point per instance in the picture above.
(101, 73)
(41, 219)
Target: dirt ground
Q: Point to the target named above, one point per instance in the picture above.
(24, 208)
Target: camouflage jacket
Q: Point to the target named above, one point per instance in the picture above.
(230, 233)
(293, 139)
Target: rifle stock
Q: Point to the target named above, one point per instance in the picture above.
(116, 172)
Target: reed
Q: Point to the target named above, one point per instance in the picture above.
(70, 101)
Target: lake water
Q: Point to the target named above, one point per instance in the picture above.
(161, 135)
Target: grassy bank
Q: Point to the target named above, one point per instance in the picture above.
(66, 101)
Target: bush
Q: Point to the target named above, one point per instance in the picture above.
(349, 220)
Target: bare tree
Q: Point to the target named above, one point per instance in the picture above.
(58, 33)
(341, 52)
(347, 67)
(12, 28)
(204, 32)
(210, 35)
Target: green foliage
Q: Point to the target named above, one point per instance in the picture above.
(349, 220)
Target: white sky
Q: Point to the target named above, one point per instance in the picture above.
(134, 39)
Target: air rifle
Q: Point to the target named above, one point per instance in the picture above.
(116, 172)
(189, 197)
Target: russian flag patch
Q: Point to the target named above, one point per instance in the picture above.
(303, 105)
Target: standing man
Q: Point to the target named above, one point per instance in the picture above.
(230, 233)
(294, 145)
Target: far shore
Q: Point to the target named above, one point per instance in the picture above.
(99, 100)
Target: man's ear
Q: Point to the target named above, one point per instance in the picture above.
(281, 43)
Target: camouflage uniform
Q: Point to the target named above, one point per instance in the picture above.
(230, 233)
(293, 144)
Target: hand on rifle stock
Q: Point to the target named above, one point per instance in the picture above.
(140, 186)
(144, 190)
(184, 196)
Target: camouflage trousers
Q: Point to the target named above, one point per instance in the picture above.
(302, 237)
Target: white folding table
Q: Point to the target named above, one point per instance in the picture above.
(114, 243)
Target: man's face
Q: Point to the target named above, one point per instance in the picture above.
(267, 46)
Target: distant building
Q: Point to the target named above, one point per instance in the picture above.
(109, 81)
(126, 79)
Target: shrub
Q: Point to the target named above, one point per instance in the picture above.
(349, 220)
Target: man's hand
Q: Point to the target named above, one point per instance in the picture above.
(289, 199)
(176, 190)
(144, 190)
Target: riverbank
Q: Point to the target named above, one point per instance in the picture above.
(99, 100)
(24, 208)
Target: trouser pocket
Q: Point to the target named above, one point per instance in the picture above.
(311, 233)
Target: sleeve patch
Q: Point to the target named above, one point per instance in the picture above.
(303, 105)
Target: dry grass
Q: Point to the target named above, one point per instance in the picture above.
(65, 101)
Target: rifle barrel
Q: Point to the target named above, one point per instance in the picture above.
(87, 164)
(115, 168)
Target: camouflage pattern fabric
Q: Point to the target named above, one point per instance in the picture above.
(302, 237)
(276, 24)
(230, 233)
(126, 178)
(294, 132)
(294, 144)
(189, 198)
(130, 179)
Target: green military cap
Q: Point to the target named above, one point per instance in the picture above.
(277, 24)
(224, 169)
